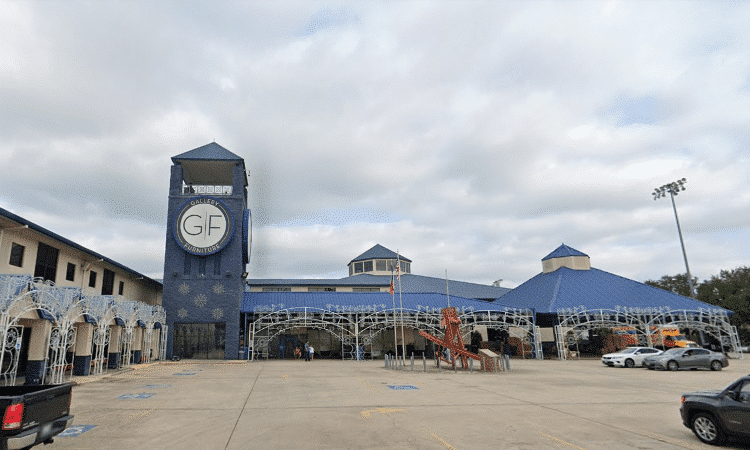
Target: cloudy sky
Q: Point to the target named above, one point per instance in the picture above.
(471, 136)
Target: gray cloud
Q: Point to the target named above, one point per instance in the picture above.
(471, 136)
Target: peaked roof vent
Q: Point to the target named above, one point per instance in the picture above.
(564, 256)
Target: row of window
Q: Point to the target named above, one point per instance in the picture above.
(319, 289)
(46, 267)
(380, 265)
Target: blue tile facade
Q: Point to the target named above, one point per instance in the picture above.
(206, 289)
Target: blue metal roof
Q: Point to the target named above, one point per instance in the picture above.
(208, 152)
(379, 252)
(57, 237)
(359, 301)
(562, 252)
(594, 289)
(410, 283)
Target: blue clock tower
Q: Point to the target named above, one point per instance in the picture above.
(207, 249)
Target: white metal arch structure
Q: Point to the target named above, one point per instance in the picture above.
(102, 309)
(21, 295)
(267, 325)
(506, 319)
(151, 314)
(644, 320)
(67, 304)
(714, 322)
(358, 325)
(159, 315)
(128, 311)
(579, 319)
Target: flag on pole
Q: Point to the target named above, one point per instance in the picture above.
(398, 270)
(391, 282)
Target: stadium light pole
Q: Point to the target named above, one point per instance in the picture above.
(674, 188)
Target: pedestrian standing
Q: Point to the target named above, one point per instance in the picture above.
(312, 352)
(307, 352)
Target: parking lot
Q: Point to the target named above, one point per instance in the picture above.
(292, 404)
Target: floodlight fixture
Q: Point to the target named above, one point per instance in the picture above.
(674, 188)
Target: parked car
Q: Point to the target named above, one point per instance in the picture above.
(629, 356)
(715, 415)
(33, 415)
(687, 358)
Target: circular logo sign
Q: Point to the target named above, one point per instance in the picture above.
(203, 226)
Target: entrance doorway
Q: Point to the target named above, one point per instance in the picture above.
(200, 340)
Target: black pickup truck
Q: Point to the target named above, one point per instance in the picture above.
(33, 415)
(715, 415)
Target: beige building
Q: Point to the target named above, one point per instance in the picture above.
(67, 309)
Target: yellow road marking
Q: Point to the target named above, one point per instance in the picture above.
(560, 441)
(368, 413)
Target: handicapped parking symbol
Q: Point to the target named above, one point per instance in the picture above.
(75, 430)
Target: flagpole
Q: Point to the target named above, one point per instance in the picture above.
(395, 336)
(401, 303)
(447, 294)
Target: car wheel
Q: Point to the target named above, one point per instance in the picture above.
(705, 427)
(629, 363)
(716, 365)
(672, 365)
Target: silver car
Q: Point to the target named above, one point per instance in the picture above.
(629, 357)
(687, 358)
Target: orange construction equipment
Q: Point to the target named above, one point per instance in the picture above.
(454, 344)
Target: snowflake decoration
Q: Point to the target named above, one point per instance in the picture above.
(182, 313)
(218, 289)
(201, 300)
(184, 289)
(218, 313)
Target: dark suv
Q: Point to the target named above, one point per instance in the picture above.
(715, 415)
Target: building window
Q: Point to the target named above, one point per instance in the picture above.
(351, 269)
(92, 279)
(391, 266)
(321, 289)
(70, 272)
(217, 263)
(277, 289)
(366, 289)
(201, 265)
(368, 266)
(46, 262)
(108, 282)
(405, 267)
(358, 267)
(121, 289)
(16, 255)
(380, 265)
(186, 265)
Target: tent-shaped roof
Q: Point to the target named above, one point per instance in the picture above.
(210, 164)
(594, 289)
(359, 301)
(562, 252)
(208, 152)
(379, 252)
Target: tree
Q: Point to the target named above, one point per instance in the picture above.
(673, 283)
(729, 290)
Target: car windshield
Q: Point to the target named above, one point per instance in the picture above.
(628, 350)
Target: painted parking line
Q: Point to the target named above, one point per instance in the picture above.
(135, 396)
(75, 430)
(157, 386)
(185, 374)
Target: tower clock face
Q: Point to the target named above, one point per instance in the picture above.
(203, 226)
